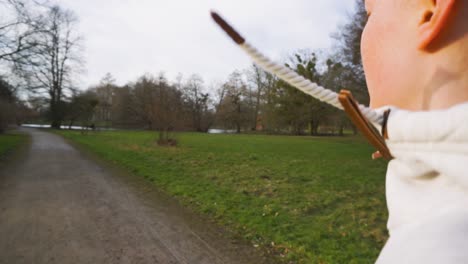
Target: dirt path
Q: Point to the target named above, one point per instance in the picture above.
(59, 206)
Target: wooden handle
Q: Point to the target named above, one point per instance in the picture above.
(367, 129)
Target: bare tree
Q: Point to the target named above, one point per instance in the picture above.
(259, 81)
(105, 92)
(141, 105)
(158, 104)
(348, 52)
(167, 110)
(196, 101)
(233, 110)
(50, 70)
(18, 26)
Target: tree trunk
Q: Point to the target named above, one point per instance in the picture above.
(56, 120)
(257, 108)
(56, 124)
(314, 128)
(341, 131)
(70, 124)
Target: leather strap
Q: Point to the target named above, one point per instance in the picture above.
(367, 129)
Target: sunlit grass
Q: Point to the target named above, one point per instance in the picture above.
(307, 200)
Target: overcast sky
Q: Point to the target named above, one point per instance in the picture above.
(131, 37)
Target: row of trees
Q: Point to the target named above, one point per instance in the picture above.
(40, 45)
(151, 102)
(256, 100)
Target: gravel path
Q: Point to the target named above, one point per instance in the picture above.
(57, 205)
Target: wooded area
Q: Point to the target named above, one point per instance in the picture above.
(41, 53)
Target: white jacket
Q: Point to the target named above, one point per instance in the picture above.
(427, 187)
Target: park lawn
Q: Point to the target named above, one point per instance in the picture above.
(304, 199)
(10, 141)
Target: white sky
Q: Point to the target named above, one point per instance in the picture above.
(131, 37)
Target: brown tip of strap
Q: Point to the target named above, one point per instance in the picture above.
(227, 28)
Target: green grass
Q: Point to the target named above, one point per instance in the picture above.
(306, 200)
(9, 142)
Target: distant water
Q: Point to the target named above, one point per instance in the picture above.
(62, 127)
(210, 131)
(221, 131)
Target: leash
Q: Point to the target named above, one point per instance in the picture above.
(362, 116)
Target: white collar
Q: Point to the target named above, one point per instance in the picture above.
(440, 130)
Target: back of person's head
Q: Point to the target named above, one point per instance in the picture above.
(415, 53)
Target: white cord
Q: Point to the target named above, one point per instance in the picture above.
(303, 84)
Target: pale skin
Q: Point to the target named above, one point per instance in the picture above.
(415, 53)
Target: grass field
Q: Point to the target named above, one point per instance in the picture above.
(306, 200)
(10, 141)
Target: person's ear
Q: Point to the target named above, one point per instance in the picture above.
(435, 17)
